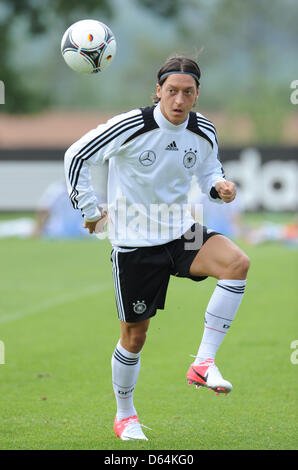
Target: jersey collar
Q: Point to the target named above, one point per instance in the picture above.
(163, 123)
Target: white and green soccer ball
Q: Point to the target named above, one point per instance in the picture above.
(88, 46)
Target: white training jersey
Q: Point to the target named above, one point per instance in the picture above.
(151, 164)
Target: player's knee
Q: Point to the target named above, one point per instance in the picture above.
(137, 341)
(245, 264)
(240, 266)
(133, 338)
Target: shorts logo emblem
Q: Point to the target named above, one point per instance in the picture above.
(147, 158)
(189, 158)
(139, 307)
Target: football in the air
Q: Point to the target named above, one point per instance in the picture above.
(88, 46)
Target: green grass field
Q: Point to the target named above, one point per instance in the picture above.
(59, 327)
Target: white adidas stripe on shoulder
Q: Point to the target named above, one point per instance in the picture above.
(115, 128)
(204, 119)
(110, 133)
(206, 125)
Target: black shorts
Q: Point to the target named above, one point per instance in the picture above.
(141, 275)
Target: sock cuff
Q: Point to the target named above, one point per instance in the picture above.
(127, 353)
(236, 286)
(124, 356)
(233, 282)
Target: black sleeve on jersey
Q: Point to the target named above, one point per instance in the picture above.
(194, 127)
(94, 145)
(149, 123)
(195, 124)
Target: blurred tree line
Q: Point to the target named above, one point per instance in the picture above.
(19, 98)
(246, 50)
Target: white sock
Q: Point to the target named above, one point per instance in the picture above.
(125, 371)
(219, 315)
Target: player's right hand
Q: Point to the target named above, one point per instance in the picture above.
(91, 224)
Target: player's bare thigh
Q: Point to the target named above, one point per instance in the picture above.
(219, 257)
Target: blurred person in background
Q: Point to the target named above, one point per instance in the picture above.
(55, 217)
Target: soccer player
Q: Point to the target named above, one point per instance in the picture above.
(152, 154)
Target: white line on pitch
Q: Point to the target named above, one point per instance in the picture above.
(59, 300)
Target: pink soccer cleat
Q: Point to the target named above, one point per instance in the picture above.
(206, 374)
(129, 428)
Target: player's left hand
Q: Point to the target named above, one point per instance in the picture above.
(226, 190)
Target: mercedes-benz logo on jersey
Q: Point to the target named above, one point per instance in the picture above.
(139, 307)
(147, 158)
(189, 158)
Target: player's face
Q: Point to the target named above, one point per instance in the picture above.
(177, 96)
